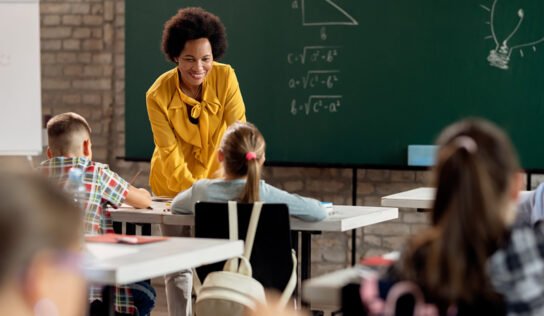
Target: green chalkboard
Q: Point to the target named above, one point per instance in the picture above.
(355, 82)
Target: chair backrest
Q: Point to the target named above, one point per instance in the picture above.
(271, 255)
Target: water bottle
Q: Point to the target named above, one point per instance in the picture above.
(76, 187)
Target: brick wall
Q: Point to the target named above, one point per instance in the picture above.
(83, 71)
(83, 66)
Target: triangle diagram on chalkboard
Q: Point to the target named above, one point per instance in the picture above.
(324, 12)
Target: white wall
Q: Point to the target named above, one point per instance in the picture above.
(20, 90)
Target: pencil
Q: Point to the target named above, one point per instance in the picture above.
(135, 176)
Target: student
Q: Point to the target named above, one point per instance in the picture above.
(242, 155)
(69, 137)
(40, 244)
(472, 259)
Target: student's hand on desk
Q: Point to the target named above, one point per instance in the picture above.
(138, 197)
(145, 192)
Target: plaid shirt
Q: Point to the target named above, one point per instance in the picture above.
(103, 187)
(517, 271)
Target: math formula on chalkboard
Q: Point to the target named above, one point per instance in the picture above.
(319, 59)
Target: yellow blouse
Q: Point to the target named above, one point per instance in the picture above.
(185, 152)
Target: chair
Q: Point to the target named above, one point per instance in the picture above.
(271, 258)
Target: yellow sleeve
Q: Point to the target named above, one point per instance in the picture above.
(235, 109)
(174, 167)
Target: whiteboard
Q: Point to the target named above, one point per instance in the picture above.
(20, 89)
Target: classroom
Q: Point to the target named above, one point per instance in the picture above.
(340, 90)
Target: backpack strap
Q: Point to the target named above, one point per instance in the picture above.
(250, 235)
(291, 284)
(233, 220)
(232, 265)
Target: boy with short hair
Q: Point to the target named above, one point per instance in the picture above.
(70, 146)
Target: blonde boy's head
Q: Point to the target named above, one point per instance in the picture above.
(68, 134)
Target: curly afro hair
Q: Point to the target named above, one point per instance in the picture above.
(190, 24)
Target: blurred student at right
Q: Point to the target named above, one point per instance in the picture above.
(472, 260)
(41, 234)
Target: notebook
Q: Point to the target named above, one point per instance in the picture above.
(123, 239)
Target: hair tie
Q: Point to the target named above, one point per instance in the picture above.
(467, 143)
(250, 155)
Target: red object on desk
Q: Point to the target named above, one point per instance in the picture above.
(377, 261)
(124, 239)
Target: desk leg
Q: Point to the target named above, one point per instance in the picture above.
(130, 229)
(306, 255)
(146, 229)
(305, 261)
(118, 227)
(353, 246)
(108, 299)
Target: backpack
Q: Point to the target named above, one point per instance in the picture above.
(233, 290)
(229, 292)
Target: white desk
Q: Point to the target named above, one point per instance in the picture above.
(128, 214)
(346, 218)
(420, 198)
(325, 290)
(113, 264)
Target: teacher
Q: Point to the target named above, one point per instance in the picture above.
(190, 106)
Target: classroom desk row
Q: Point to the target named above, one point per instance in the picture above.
(345, 218)
(420, 198)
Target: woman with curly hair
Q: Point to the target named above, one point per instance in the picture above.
(190, 106)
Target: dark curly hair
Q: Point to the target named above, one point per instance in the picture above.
(190, 24)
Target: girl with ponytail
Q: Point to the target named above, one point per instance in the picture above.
(242, 155)
(473, 260)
